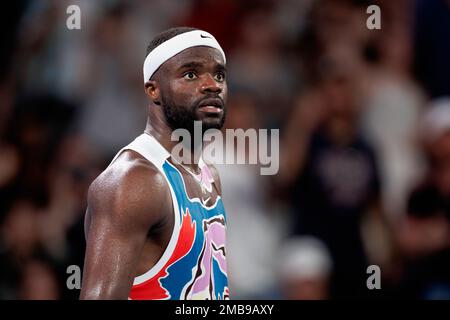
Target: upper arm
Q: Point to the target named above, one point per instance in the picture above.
(122, 206)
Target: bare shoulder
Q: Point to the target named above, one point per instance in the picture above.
(131, 189)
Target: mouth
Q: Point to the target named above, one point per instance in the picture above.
(213, 105)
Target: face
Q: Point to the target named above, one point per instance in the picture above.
(192, 88)
(311, 288)
(341, 101)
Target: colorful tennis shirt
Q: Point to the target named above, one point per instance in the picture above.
(193, 266)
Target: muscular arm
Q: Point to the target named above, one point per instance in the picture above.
(123, 204)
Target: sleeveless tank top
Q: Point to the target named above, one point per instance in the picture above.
(193, 266)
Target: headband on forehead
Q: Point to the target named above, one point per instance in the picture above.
(175, 45)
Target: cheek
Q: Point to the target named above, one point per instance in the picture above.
(224, 93)
(183, 92)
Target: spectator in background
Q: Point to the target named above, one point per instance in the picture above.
(21, 244)
(120, 92)
(39, 282)
(425, 232)
(36, 130)
(333, 175)
(393, 101)
(305, 268)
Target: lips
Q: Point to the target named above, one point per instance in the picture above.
(211, 105)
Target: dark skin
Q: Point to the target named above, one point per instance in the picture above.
(130, 217)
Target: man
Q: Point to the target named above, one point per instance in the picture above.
(333, 177)
(424, 233)
(155, 226)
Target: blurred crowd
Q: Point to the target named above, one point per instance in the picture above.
(364, 119)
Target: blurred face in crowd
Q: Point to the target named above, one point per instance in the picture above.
(192, 87)
(38, 282)
(20, 229)
(439, 152)
(307, 288)
(340, 100)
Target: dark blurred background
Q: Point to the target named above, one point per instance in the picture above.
(364, 119)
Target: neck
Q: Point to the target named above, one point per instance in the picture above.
(157, 127)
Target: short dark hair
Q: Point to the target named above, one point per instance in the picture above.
(166, 35)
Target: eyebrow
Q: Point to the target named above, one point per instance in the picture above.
(195, 64)
(192, 64)
(221, 67)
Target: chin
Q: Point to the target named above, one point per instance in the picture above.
(212, 124)
(211, 121)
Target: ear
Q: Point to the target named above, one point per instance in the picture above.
(153, 91)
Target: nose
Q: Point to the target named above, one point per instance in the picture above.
(210, 85)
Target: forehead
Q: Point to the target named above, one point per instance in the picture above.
(200, 54)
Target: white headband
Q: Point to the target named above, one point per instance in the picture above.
(175, 45)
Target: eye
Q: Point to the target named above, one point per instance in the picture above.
(220, 77)
(190, 75)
